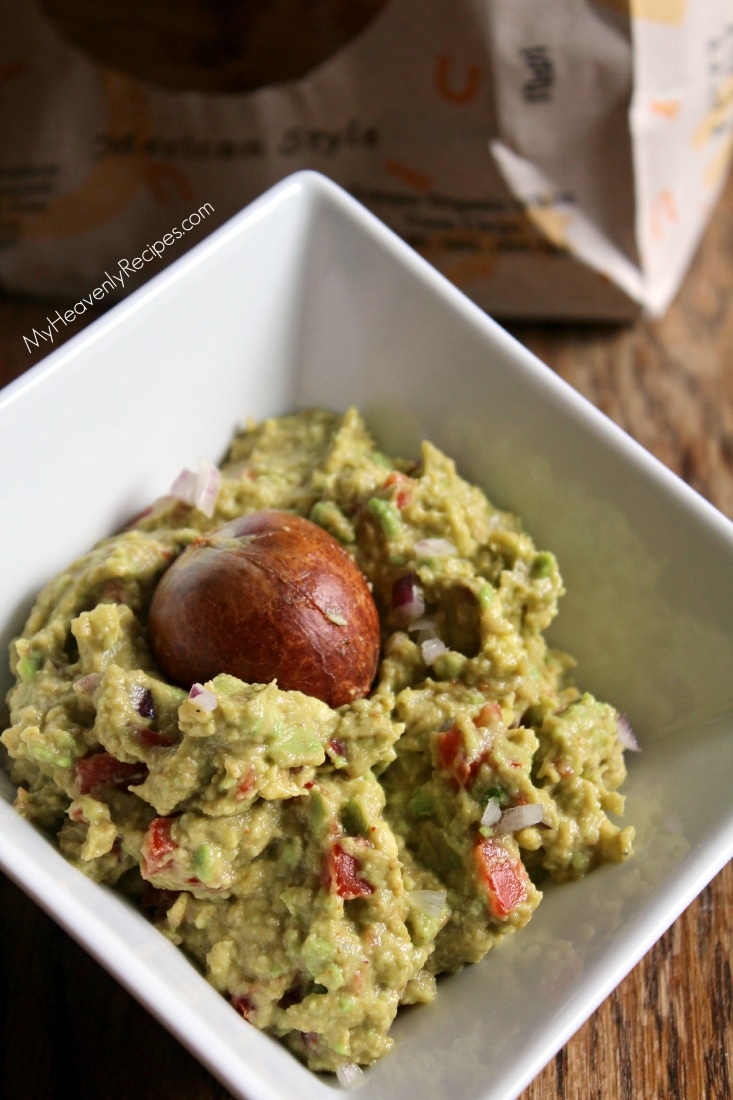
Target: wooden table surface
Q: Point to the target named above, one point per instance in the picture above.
(666, 1033)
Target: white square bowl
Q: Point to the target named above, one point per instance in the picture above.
(306, 299)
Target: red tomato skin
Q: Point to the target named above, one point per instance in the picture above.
(451, 758)
(343, 875)
(154, 739)
(404, 485)
(243, 1005)
(104, 770)
(504, 877)
(159, 847)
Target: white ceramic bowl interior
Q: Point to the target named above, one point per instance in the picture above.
(306, 299)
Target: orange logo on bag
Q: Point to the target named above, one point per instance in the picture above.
(450, 88)
(413, 177)
(667, 108)
(664, 212)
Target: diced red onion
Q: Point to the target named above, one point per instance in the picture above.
(432, 649)
(430, 902)
(198, 489)
(519, 817)
(203, 698)
(492, 813)
(626, 735)
(183, 487)
(408, 599)
(349, 1075)
(208, 480)
(434, 548)
(87, 685)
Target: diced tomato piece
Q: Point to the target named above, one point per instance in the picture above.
(505, 877)
(488, 716)
(452, 758)
(342, 875)
(247, 783)
(404, 485)
(158, 847)
(243, 1005)
(451, 755)
(104, 770)
(154, 739)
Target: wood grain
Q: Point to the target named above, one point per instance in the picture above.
(666, 1033)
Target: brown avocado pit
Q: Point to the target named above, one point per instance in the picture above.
(269, 596)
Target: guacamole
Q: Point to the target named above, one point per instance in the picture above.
(321, 865)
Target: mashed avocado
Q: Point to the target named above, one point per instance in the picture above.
(321, 866)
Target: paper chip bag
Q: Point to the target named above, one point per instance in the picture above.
(555, 160)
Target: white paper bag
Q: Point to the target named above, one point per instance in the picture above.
(554, 160)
